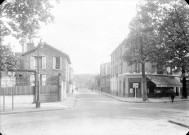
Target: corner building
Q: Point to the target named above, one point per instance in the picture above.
(125, 80)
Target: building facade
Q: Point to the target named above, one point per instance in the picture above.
(105, 70)
(126, 80)
(53, 66)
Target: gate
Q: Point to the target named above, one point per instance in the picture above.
(49, 93)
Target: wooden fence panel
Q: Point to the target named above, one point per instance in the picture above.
(48, 93)
(49, 89)
(18, 90)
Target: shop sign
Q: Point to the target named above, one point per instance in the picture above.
(135, 85)
(134, 79)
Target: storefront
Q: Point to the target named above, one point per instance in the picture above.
(134, 87)
(130, 85)
(159, 85)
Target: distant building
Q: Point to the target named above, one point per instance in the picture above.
(126, 79)
(105, 70)
(71, 80)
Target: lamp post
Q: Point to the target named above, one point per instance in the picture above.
(38, 76)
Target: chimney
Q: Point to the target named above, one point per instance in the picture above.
(22, 42)
(30, 46)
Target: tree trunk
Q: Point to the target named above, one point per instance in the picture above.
(184, 90)
(144, 88)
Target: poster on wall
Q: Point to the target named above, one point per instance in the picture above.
(131, 90)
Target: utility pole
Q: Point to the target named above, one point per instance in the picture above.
(38, 76)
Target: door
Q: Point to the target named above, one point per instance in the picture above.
(134, 87)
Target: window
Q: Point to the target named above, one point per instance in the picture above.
(43, 79)
(34, 62)
(40, 62)
(32, 80)
(57, 62)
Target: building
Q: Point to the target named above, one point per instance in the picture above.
(53, 66)
(126, 80)
(71, 81)
(105, 70)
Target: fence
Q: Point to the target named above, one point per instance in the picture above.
(49, 89)
(17, 90)
(49, 93)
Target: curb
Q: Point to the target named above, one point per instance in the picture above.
(179, 124)
(120, 99)
(41, 110)
(138, 101)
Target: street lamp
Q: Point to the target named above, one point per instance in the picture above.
(40, 45)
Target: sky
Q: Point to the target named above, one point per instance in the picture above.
(89, 30)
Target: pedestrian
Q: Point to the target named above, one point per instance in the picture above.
(172, 94)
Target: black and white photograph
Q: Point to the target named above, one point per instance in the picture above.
(94, 67)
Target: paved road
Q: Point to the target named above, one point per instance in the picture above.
(95, 114)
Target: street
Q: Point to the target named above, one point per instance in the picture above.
(96, 114)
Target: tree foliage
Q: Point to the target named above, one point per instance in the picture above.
(7, 58)
(21, 18)
(174, 33)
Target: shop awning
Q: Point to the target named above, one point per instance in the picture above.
(164, 81)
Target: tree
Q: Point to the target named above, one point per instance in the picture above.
(7, 59)
(174, 38)
(163, 34)
(140, 40)
(21, 18)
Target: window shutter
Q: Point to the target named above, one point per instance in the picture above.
(43, 62)
(60, 62)
(54, 63)
(32, 80)
(32, 62)
(43, 79)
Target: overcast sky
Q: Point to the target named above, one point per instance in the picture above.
(89, 30)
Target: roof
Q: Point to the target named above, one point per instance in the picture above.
(164, 81)
(45, 44)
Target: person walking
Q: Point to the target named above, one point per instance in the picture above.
(172, 95)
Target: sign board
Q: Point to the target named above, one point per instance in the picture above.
(8, 81)
(135, 85)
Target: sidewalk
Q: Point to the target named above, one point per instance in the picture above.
(140, 100)
(25, 108)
